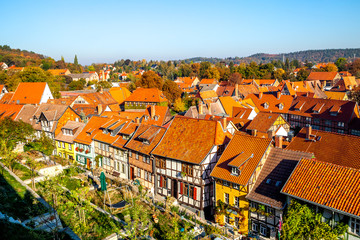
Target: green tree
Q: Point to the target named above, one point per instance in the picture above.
(302, 75)
(76, 60)
(102, 85)
(355, 95)
(302, 222)
(14, 132)
(44, 144)
(76, 85)
(33, 165)
(179, 105)
(341, 64)
(235, 78)
(204, 66)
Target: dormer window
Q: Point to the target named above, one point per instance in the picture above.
(266, 105)
(235, 171)
(281, 106)
(278, 183)
(146, 142)
(105, 131)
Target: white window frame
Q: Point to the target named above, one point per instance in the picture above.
(354, 226)
(263, 230)
(226, 198)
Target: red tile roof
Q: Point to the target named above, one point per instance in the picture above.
(272, 102)
(28, 93)
(190, 140)
(329, 147)
(253, 148)
(325, 184)
(308, 107)
(90, 130)
(263, 121)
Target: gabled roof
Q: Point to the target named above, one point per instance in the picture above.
(208, 94)
(147, 95)
(190, 140)
(246, 90)
(241, 112)
(261, 82)
(10, 110)
(345, 84)
(335, 95)
(28, 93)
(91, 129)
(320, 108)
(241, 144)
(273, 104)
(275, 172)
(151, 134)
(6, 98)
(208, 81)
(161, 114)
(225, 91)
(263, 121)
(76, 127)
(112, 133)
(64, 100)
(328, 185)
(329, 147)
(119, 93)
(57, 72)
(228, 103)
(322, 76)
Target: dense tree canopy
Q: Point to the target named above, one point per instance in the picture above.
(14, 132)
(171, 90)
(150, 80)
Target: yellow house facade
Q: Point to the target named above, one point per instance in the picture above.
(65, 146)
(235, 174)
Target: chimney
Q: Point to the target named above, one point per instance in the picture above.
(260, 95)
(278, 94)
(271, 133)
(201, 108)
(137, 120)
(99, 109)
(152, 111)
(224, 122)
(237, 90)
(254, 132)
(278, 141)
(308, 131)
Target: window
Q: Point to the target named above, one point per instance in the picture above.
(63, 145)
(341, 124)
(59, 144)
(266, 105)
(263, 230)
(308, 119)
(281, 106)
(59, 154)
(236, 202)
(237, 220)
(69, 146)
(226, 183)
(139, 172)
(316, 121)
(341, 131)
(270, 210)
(160, 163)
(253, 205)
(107, 148)
(146, 175)
(355, 226)
(147, 159)
(227, 219)
(187, 168)
(328, 122)
(137, 156)
(327, 129)
(235, 171)
(236, 186)
(123, 168)
(254, 227)
(278, 183)
(226, 198)
(130, 153)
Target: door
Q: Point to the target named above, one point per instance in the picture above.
(131, 173)
(174, 188)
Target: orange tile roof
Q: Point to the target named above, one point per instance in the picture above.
(97, 98)
(6, 98)
(161, 114)
(246, 90)
(147, 95)
(119, 93)
(228, 103)
(329, 147)
(263, 121)
(272, 101)
(241, 112)
(244, 145)
(325, 184)
(190, 140)
(9, 110)
(57, 72)
(208, 94)
(322, 76)
(225, 90)
(109, 137)
(28, 93)
(305, 106)
(208, 81)
(90, 130)
(152, 134)
(336, 95)
(64, 101)
(261, 82)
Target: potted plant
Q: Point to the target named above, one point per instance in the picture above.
(87, 151)
(252, 209)
(81, 150)
(77, 149)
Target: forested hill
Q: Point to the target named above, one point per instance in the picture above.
(20, 58)
(316, 56)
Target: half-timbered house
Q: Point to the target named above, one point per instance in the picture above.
(185, 158)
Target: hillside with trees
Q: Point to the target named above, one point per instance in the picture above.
(326, 55)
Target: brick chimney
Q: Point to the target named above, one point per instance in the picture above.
(201, 109)
(308, 131)
(152, 111)
(278, 94)
(260, 95)
(99, 108)
(224, 122)
(278, 141)
(236, 90)
(137, 120)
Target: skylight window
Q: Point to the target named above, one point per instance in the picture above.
(277, 183)
(268, 181)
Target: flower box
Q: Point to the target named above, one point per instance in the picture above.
(87, 151)
(81, 150)
(77, 149)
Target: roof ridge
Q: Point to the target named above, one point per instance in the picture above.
(331, 164)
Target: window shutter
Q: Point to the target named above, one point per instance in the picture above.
(181, 188)
(195, 190)
(161, 181)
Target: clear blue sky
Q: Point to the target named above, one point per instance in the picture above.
(105, 31)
